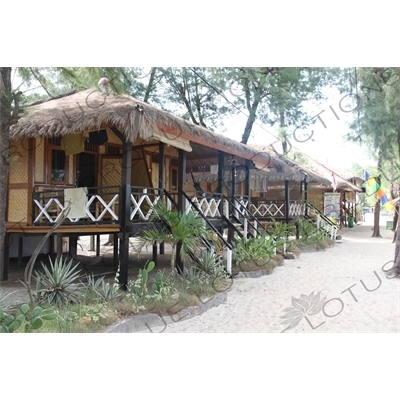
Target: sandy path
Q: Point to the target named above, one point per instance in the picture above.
(359, 298)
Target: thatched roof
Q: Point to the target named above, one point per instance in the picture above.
(292, 171)
(92, 109)
(341, 178)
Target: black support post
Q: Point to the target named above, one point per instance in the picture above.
(124, 212)
(161, 177)
(6, 260)
(247, 180)
(181, 202)
(287, 201)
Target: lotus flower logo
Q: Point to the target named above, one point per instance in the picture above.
(305, 305)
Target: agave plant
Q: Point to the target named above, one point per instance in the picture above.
(210, 264)
(57, 285)
(5, 305)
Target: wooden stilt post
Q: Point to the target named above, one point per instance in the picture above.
(287, 201)
(306, 195)
(221, 184)
(124, 211)
(181, 202)
(73, 246)
(6, 260)
(115, 249)
(161, 177)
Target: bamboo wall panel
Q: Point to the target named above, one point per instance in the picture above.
(140, 175)
(19, 162)
(112, 138)
(17, 205)
(39, 161)
(111, 169)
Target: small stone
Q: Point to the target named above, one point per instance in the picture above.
(289, 256)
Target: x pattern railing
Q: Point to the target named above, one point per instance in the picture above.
(142, 204)
(100, 207)
(275, 210)
(297, 209)
(208, 206)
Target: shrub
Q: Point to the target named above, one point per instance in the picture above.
(103, 291)
(23, 317)
(257, 249)
(56, 285)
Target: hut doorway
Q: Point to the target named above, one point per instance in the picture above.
(86, 176)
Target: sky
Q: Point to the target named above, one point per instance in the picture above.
(323, 140)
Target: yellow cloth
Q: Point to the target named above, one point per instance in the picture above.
(73, 144)
(77, 197)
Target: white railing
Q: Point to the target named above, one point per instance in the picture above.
(209, 206)
(329, 228)
(272, 210)
(142, 206)
(297, 209)
(100, 207)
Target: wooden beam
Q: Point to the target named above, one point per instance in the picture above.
(181, 202)
(124, 212)
(247, 164)
(287, 199)
(161, 177)
(5, 251)
(118, 134)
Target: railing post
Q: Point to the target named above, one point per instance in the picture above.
(226, 208)
(229, 261)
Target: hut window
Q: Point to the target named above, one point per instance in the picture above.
(58, 165)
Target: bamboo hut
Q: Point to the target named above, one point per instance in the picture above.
(124, 155)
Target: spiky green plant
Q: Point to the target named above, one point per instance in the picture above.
(5, 305)
(182, 227)
(57, 284)
(210, 264)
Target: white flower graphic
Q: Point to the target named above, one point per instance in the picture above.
(305, 305)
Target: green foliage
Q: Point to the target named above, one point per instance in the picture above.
(102, 290)
(3, 303)
(182, 227)
(57, 284)
(162, 285)
(309, 233)
(281, 230)
(275, 95)
(23, 317)
(257, 249)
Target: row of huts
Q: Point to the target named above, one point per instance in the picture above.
(112, 156)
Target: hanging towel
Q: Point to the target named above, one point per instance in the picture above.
(214, 169)
(77, 197)
(98, 137)
(73, 144)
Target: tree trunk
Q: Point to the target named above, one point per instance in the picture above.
(249, 124)
(150, 85)
(395, 222)
(5, 115)
(377, 232)
(395, 270)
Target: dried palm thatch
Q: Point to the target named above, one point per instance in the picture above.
(313, 171)
(292, 170)
(92, 109)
